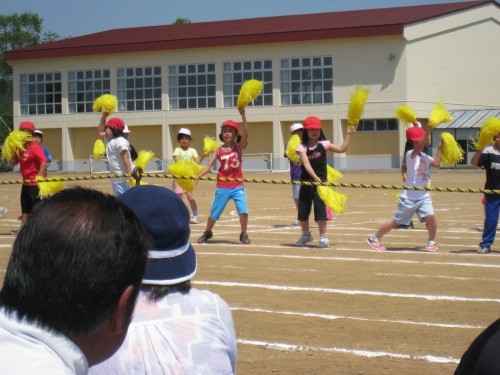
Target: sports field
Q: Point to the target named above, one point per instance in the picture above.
(347, 309)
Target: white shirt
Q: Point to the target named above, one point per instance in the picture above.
(26, 349)
(114, 147)
(179, 334)
(418, 172)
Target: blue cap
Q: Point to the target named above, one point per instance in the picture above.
(171, 259)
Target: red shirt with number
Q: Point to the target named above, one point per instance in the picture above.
(230, 160)
(29, 162)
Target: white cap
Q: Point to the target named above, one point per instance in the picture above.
(185, 131)
(417, 124)
(126, 129)
(296, 127)
(38, 132)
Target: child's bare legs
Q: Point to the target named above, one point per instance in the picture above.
(210, 224)
(304, 225)
(192, 203)
(244, 222)
(432, 226)
(322, 227)
(386, 228)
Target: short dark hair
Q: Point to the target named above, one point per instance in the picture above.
(72, 261)
(156, 292)
(116, 132)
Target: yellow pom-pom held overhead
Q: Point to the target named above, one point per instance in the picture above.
(185, 168)
(356, 106)
(451, 152)
(105, 103)
(249, 91)
(291, 149)
(406, 113)
(489, 129)
(210, 145)
(99, 149)
(438, 115)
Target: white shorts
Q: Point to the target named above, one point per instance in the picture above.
(407, 208)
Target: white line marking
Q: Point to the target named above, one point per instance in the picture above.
(336, 317)
(372, 293)
(360, 353)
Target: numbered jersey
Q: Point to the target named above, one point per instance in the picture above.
(230, 166)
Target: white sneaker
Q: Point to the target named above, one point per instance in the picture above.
(323, 243)
(304, 238)
(195, 220)
(3, 211)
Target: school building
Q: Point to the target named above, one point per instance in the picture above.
(189, 75)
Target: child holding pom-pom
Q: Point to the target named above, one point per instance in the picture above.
(230, 157)
(20, 147)
(117, 151)
(312, 152)
(489, 159)
(413, 202)
(185, 152)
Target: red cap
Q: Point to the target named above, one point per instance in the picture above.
(415, 134)
(232, 124)
(27, 125)
(116, 123)
(312, 122)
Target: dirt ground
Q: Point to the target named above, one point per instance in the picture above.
(346, 309)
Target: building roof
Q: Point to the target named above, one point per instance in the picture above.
(346, 24)
(470, 118)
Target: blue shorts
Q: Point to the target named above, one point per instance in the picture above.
(407, 208)
(223, 195)
(119, 186)
(295, 191)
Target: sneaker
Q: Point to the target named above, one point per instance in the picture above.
(194, 220)
(244, 239)
(296, 223)
(323, 243)
(3, 211)
(483, 250)
(375, 243)
(205, 237)
(15, 231)
(304, 238)
(431, 246)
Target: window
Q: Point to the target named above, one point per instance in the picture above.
(139, 89)
(40, 93)
(307, 80)
(373, 125)
(191, 86)
(235, 73)
(84, 87)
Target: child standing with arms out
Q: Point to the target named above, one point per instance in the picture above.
(418, 165)
(184, 152)
(312, 154)
(230, 157)
(117, 151)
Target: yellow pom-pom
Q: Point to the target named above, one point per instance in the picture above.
(334, 200)
(185, 168)
(14, 144)
(105, 103)
(291, 149)
(438, 115)
(333, 175)
(356, 106)
(451, 152)
(406, 113)
(210, 145)
(143, 159)
(99, 149)
(489, 129)
(249, 91)
(47, 189)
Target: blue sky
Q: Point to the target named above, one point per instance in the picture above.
(78, 17)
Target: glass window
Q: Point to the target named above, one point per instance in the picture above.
(191, 86)
(306, 81)
(86, 86)
(236, 73)
(139, 89)
(371, 125)
(40, 94)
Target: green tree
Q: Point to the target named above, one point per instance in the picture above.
(181, 20)
(16, 31)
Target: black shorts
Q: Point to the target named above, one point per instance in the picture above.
(29, 198)
(308, 197)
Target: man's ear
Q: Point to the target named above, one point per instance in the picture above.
(121, 316)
